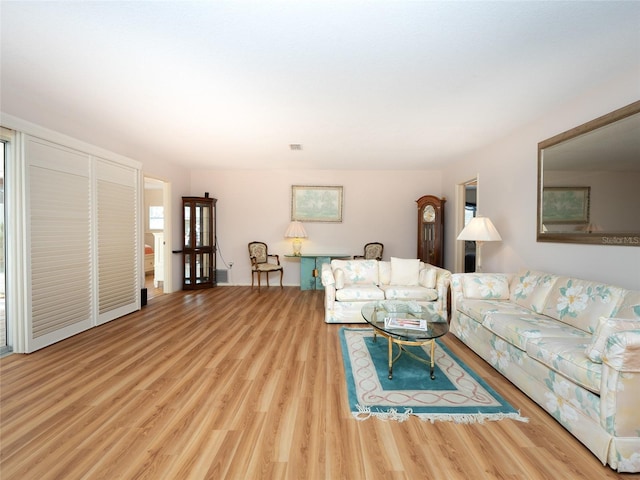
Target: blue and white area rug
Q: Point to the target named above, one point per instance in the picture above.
(457, 394)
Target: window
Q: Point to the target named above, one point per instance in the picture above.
(156, 218)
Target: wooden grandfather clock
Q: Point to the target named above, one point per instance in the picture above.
(431, 230)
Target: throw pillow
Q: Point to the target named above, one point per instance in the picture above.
(384, 273)
(427, 278)
(485, 286)
(405, 271)
(338, 273)
(606, 327)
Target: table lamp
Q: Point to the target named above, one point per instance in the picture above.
(296, 231)
(479, 229)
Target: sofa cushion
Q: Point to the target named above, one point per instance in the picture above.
(566, 356)
(486, 286)
(338, 275)
(352, 293)
(427, 277)
(581, 303)
(357, 272)
(384, 273)
(519, 329)
(405, 271)
(606, 327)
(478, 309)
(397, 292)
(629, 306)
(530, 289)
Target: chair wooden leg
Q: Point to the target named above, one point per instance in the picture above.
(267, 275)
(253, 274)
(281, 273)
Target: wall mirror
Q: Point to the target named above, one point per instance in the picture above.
(589, 182)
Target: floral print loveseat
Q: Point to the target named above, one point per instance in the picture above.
(349, 284)
(571, 345)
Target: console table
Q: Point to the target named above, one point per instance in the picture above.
(311, 266)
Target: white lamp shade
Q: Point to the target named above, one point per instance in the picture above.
(295, 230)
(480, 229)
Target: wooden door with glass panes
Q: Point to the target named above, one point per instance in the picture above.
(431, 230)
(198, 250)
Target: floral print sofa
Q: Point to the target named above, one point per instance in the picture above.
(571, 345)
(349, 284)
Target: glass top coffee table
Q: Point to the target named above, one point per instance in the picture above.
(405, 324)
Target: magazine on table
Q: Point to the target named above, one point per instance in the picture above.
(408, 323)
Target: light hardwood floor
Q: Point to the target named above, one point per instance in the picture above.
(231, 384)
(152, 292)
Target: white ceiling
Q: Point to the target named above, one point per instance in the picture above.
(361, 85)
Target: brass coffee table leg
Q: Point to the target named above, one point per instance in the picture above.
(390, 342)
(393, 359)
(431, 362)
(433, 348)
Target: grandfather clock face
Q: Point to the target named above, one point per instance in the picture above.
(429, 214)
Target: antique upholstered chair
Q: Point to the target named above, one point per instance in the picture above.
(372, 251)
(259, 255)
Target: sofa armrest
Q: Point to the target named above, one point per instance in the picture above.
(480, 286)
(443, 282)
(329, 283)
(620, 387)
(326, 275)
(457, 293)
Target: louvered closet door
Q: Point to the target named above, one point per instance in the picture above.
(59, 233)
(82, 236)
(117, 244)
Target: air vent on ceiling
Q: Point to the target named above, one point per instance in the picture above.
(295, 146)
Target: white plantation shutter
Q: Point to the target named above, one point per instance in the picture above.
(82, 217)
(60, 232)
(117, 240)
(59, 250)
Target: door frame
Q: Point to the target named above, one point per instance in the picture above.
(461, 194)
(167, 283)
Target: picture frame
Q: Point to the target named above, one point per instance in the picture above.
(565, 205)
(310, 203)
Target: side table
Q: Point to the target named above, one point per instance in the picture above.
(311, 266)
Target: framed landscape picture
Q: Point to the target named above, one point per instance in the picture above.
(316, 203)
(565, 205)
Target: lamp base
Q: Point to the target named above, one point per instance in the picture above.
(297, 246)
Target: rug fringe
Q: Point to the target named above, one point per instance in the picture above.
(364, 412)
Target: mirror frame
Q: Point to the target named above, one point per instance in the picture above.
(598, 238)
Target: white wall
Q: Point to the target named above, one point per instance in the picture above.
(256, 205)
(507, 194)
(380, 205)
(611, 195)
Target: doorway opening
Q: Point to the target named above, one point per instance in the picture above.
(470, 211)
(156, 214)
(467, 195)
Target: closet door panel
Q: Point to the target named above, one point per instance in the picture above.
(59, 235)
(118, 289)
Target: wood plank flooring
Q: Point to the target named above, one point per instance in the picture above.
(152, 292)
(229, 383)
